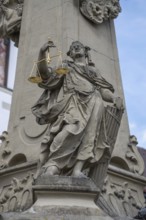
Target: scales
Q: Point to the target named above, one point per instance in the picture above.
(35, 75)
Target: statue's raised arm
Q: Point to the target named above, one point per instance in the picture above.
(43, 66)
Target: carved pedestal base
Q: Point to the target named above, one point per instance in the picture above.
(62, 198)
(66, 198)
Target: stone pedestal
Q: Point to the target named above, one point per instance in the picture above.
(66, 191)
(62, 198)
(66, 197)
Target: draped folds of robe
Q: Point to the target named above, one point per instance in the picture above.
(73, 108)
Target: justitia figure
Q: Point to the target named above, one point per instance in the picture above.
(72, 105)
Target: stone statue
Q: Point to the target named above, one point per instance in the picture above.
(72, 105)
(10, 19)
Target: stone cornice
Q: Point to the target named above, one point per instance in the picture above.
(100, 10)
(126, 174)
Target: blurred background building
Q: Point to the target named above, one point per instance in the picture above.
(8, 57)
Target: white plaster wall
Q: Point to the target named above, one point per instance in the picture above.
(5, 103)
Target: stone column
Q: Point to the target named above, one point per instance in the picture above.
(62, 21)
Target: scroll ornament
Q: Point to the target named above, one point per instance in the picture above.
(100, 10)
(133, 156)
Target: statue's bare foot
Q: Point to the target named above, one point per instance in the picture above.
(79, 174)
(52, 170)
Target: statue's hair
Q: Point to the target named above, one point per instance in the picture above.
(87, 54)
(74, 42)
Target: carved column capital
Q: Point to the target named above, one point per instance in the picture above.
(99, 10)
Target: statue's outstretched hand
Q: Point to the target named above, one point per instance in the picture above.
(118, 103)
(46, 46)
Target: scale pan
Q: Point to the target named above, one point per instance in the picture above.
(62, 70)
(35, 79)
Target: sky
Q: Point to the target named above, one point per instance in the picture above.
(131, 40)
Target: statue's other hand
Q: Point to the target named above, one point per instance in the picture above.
(46, 46)
(118, 102)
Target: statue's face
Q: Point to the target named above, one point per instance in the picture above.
(77, 50)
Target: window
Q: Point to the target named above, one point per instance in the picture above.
(4, 56)
(13, 51)
(8, 58)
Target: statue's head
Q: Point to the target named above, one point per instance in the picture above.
(77, 49)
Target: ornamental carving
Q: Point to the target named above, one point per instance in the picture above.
(99, 10)
(133, 156)
(5, 151)
(119, 199)
(10, 19)
(17, 196)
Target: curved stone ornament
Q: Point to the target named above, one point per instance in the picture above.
(119, 198)
(5, 151)
(17, 196)
(133, 156)
(10, 19)
(99, 10)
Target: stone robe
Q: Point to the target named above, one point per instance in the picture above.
(72, 106)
